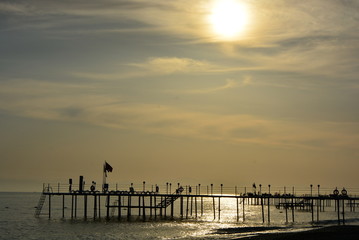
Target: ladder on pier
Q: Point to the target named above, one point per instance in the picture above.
(41, 202)
(170, 199)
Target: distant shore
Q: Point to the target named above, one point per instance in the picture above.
(325, 233)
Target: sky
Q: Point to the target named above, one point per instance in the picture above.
(184, 91)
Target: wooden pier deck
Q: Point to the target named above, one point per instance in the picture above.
(158, 204)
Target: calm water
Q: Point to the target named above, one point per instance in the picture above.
(17, 221)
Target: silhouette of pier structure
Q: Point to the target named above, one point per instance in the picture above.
(154, 204)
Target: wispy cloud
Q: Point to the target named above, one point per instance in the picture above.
(157, 66)
(14, 8)
(230, 83)
(169, 65)
(108, 16)
(43, 100)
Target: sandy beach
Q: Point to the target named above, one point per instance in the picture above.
(327, 233)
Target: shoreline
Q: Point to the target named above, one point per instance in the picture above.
(342, 232)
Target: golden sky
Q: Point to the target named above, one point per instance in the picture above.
(207, 91)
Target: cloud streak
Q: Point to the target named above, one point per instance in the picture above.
(169, 65)
(162, 66)
(43, 100)
(230, 83)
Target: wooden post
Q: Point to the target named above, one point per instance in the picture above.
(75, 206)
(155, 205)
(335, 205)
(63, 206)
(214, 209)
(191, 206)
(343, 212)
(143, 208)
(151, 205)
(292, 209)
(85, 206)
(262, 205)
(161, 209)
(94, 207)
(195, 205)
(128, 206)
(354, 205)
(237, 205)
(286, 209)
(181, 207)
(244, 215)
(338, 209)
(172, 207)
(269, 209)
(187, 207)
(312, 209)
(139, 205)
(119, 207)
(201, 206)
(108, 207)
(219, 208)
(72, 206)
(49, 206)
(318, 209)
(99, 206)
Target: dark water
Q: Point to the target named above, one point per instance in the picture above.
(17, 221)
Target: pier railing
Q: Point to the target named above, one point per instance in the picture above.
(209, 189)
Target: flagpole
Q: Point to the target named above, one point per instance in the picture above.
(103, 177)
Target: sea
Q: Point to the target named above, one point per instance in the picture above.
(17, 220)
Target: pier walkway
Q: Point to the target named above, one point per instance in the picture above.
(155, 204)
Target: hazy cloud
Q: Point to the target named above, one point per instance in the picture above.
(230, 83)
(23, 98)
(171, 65)
(156, 66)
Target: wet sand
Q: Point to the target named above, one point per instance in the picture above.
(326, 233)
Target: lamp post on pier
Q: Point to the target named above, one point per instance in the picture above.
(311, 190)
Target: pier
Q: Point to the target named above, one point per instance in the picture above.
(186, 203)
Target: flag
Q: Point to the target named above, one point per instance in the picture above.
(107, 168)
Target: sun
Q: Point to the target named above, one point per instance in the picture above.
(228, 18)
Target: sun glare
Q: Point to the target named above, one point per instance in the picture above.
(228, 18)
